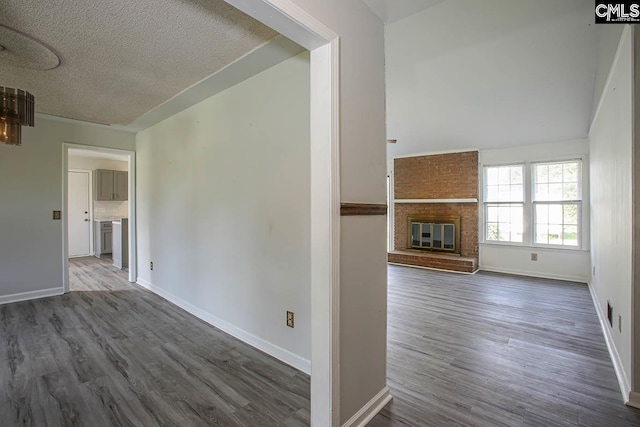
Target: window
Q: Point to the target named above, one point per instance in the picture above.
(557, 202)
(534, 204)
(504, 203)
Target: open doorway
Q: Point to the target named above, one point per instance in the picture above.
(99, 196)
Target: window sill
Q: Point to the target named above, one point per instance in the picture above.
(523, 246)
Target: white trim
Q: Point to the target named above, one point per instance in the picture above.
(335, 220)
(391, 205)
(325, 230)
(634, 400)
(132, 223)
(290, 20)
(279, 353)
(538, 246)
(436, 153)
(517, 272)
(26, 296)
(434, 269)
(436, 201)
(370, 409)
(623, 380)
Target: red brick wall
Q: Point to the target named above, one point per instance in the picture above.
(442, 176)
(468, 223)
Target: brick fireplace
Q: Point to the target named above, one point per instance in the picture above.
(440, 192)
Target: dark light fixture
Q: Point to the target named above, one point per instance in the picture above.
(16, 110)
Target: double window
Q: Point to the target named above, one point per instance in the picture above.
(546, 212)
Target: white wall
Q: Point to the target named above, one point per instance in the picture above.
(101, 208)
(611, 224)
(609, 40)
(566, 264)
(224, 209)
(363, 268)
(468, 74)
(30, 189)
(91, 163)
(361, 119)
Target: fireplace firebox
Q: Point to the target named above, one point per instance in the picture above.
(435, 233)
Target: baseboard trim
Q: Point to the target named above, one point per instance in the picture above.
(26, 296)
(535, 274)
(370, 409)
(279, 353)
(634, 400)
(623, 380)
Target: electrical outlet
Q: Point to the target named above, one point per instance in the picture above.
(151, 266)
(534, 256)
(290, 321)
(620, 322)
(56, 215)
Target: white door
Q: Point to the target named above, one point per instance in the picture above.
(78, 214)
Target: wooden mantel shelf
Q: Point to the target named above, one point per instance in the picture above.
(436, 201)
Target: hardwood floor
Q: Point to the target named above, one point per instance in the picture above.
(483, 350)
(496, 350)
(112, 353)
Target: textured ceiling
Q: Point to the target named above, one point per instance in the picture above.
(119, 59)
(488, 74)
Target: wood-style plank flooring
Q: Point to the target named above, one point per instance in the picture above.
(496, 350)
(483, 350)
(114, 354)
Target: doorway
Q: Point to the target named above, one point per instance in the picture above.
(95, 214)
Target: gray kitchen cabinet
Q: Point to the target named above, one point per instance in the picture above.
(121, 243)
(121, 185)
(102, 242)
(110, 185)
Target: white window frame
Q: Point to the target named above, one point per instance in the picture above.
(528, 205)
(486, 203)
(578, 202)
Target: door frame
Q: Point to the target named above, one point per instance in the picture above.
(298, 25)
(91, 237)
(131, 164)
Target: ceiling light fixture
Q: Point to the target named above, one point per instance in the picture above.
(16, 110)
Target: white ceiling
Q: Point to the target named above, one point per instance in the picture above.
(487, 74)
(394, 10)
(120, 59)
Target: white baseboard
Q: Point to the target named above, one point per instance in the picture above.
(370, 409)
(279, 353)
(623, 380)
(634, 400)
(25, 296)
(537, 274)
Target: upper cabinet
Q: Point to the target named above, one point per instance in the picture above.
(121, 185)
(110, 185)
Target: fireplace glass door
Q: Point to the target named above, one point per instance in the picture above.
(430, 235)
